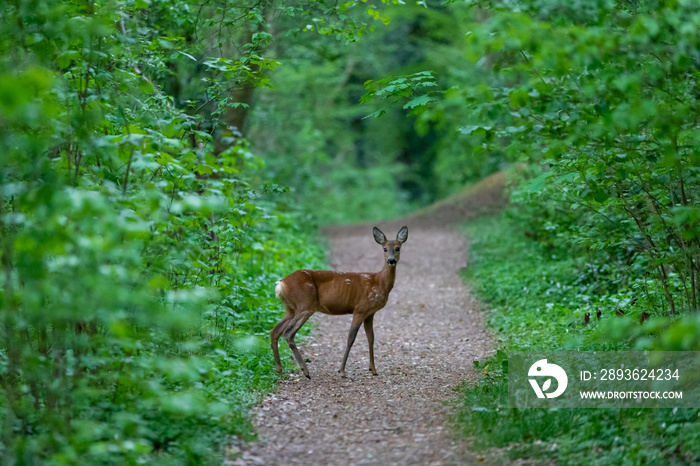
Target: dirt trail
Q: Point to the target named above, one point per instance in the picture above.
(425, 341)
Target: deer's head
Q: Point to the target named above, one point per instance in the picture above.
(392, 248)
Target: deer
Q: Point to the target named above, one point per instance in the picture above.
(306, 292)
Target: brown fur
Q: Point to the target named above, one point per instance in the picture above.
(305, 292)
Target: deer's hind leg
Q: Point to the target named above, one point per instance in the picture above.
(290, 331)
(275, 335)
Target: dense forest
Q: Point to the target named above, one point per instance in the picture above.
(163, 163)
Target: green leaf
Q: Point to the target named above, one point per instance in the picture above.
(418, 101)
(146, 86)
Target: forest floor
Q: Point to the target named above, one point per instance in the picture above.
(426, 339)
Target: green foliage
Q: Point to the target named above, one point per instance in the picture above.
(139, 244)
(401, 87)
(606, 103)
(388, 165)
(537, 301)
(602, 97)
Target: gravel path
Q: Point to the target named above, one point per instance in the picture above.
(425, 341)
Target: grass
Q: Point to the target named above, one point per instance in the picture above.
(535, 300)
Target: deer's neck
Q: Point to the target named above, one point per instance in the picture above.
(386, 277)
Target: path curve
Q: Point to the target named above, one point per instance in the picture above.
(425, 341)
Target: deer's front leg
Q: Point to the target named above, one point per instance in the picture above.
(369, 331)
(354, 327)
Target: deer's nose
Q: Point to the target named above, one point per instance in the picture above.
(391, 261)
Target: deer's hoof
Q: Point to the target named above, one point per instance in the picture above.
(343, 375)
(308, 376)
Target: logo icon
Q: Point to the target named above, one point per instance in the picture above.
(544, 369)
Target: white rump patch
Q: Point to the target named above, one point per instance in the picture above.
(278, 288)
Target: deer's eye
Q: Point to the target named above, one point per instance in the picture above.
(397, 249)
(385, 249)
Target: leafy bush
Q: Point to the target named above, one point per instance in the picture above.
(138, 252)
(537, 301)
(604, 103)
(600, 99)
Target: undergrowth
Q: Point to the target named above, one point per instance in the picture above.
(536, 298)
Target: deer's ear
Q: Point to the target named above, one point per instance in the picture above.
(379, 236)
(402, 235)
